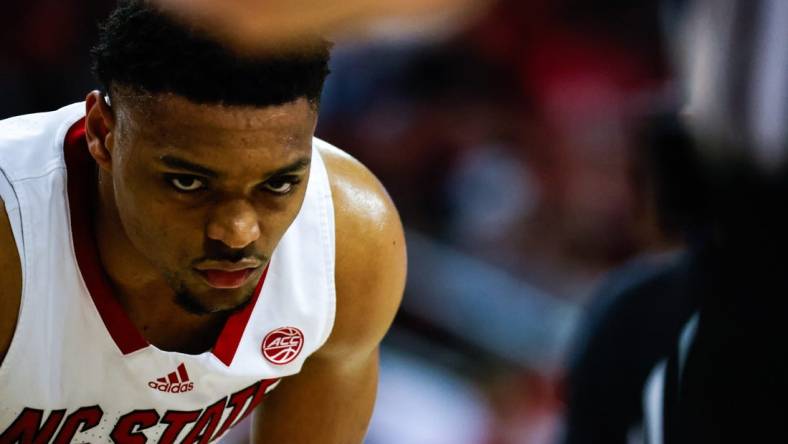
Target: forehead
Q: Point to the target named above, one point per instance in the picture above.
(171, 116)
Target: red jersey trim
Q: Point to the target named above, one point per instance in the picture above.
(81, 169)
(227, 343)
(81, 173)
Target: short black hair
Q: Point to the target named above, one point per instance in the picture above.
(147, 50)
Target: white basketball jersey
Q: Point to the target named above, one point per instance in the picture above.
(78, 370)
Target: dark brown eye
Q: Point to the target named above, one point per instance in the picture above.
(186, 183)
(279, 186)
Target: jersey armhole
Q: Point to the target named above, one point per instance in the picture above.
(11, 203)
(328, 237)
(13, 211)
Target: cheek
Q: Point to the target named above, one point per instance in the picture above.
(154, 226)
(277, 218)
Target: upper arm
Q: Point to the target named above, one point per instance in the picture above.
(370, 259)
(10, 282)
(331, 400)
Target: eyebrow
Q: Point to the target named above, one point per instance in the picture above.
(182, 164)
(294, 167)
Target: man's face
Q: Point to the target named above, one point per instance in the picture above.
(205, 192)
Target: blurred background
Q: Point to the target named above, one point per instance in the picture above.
(514, 145)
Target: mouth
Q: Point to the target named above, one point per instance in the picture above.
(229, 277)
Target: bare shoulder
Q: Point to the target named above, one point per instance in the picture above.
(10, 282)
(370, 254)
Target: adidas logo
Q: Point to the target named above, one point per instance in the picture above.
(176, 382)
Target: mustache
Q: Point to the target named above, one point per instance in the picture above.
(219, 252)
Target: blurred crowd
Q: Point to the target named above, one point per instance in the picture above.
(515, 150)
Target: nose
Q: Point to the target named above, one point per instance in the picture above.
(234, 223)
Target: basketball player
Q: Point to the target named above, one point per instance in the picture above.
(178, 246)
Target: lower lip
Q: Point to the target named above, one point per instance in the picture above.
(226, 279)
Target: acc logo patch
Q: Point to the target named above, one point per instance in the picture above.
(283, 345)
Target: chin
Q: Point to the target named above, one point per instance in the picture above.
(212, 304)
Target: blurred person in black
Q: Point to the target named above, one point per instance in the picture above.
(720, 377)
(725, 380)
(636, 315)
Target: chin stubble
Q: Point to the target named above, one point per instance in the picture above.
(193, 305)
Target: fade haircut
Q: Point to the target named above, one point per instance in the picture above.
(145, 50)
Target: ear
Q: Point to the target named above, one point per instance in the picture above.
(99, 125)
